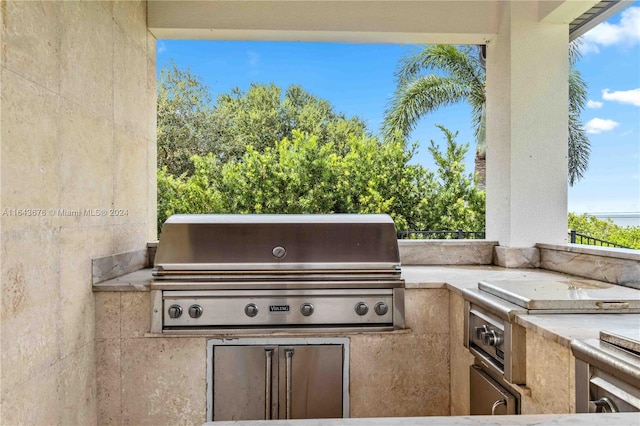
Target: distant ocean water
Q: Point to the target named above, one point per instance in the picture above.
(622, 219)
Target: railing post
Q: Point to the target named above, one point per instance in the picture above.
(459, 234)
(573, 236)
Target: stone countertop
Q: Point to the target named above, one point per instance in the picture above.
(458, 277)
(618, 419)
(560, 328)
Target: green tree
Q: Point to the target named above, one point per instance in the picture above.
(462, 78)
(457, 203)
(607, 230)
(301, 175)
(184, 124)
(264, 115)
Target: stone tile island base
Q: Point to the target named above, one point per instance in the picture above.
(161, 380)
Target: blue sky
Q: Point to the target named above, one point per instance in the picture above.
(358, 80)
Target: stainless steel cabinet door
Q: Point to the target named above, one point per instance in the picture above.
(244, 381)
(310, 381)
(488, 397)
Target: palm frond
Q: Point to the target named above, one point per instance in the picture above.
(415, 98)
(577, 91)
(574, 51)
(579, 149)
(459, 62)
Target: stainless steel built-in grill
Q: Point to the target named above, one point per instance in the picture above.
(277, 272)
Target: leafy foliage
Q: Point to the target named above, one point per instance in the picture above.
(189, 124)
(264, 115)
(605, 230)
(440, 75)
(265, 151)
(184, 120)
(301, 175)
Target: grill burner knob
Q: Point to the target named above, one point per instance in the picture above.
(175, 311)
(381, 308)
(195, 311)
(361, 308)
(306, 309)
(492, 338)
(251, 310)
(480, 331)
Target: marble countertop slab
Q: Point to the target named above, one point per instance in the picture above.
(458, 277)
(618, 419)
(561, 328)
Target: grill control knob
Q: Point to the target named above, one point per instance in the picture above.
(480, 331)
(195, 311)
(175, 311)
(361, 308)
(492, 338)
(306, 309)
(251, 310)
(381, 308)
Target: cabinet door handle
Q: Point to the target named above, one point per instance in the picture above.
(497, 404)
(268, 355)
(288, 354)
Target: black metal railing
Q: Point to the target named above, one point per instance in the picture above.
(577, 238)
(441, 235)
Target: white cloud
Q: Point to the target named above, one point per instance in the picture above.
(626, 32)
(623, 96)
(599, 125)
(161, 47)
(594, 104)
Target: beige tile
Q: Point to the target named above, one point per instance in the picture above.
(108, 315)
(384, 383)
(152, 193)
(32, 402)
(130, 86)
(152, 149)
(30, 169)
(460, 358)
(87, 151)
(547, 376)
(130, 17)
(108, 382)
(30, 303)
(31, 41)
(87, 55)
(130, 237)
(130, 180)
(78, 246)
(457, 316)
(427, 310)
(76, 388)
(136, 314)
(572, 383)
(164, 381)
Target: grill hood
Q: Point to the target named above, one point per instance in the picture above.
(305, 243)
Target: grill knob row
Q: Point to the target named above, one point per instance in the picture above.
(195, 311)
(306, 309)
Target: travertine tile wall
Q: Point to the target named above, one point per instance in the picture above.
(162, 380)
(78, 132)
(405, 375)
(550, 377)
(461, 358)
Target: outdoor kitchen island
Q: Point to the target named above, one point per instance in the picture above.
(421, 371)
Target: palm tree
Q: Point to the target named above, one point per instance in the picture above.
(463, 79)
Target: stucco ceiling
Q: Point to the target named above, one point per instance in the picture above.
(394, 21)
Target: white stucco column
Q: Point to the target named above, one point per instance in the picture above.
(527, 110)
